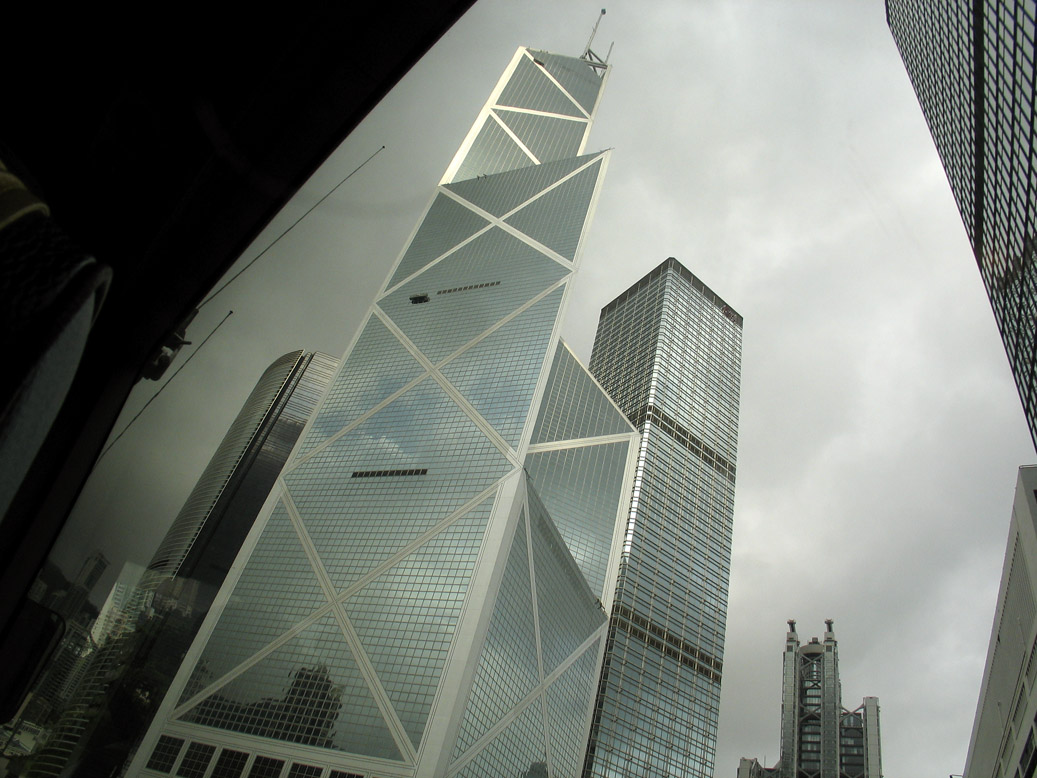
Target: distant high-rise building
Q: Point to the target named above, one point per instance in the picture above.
(819, 738)
(207, 534)
(423, 593)
(972, 67)
(164, 605)
(1005, 729)
(668, 350)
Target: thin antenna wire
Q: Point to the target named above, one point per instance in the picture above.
(156, 394)
(233, 278)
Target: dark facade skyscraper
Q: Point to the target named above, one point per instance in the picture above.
(206, 535)
(972, 66)
(148, 621)
(819, 738)
(424, 593)
(668, 351)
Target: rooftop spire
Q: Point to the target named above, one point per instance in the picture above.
(588, 55)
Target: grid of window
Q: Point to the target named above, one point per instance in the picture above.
(229, 764)
(378, 366)
(556, 218)
(516, 750)
(578, 79)
(196, 760)
(446, 224)
(406, 617)
(581, 488)
(280, 663)
(307, 691)
(304, 771)
(500, 195)
(573, 406)
(549, 138)
(567, 609)
(277, 590)
(266, 767)
(494, 151)
(530, 88)
(450, 321)
(508, 669)
(567, 701)
(972, 68)
(356, 524)
(668, 350)
(166, 751)
(499, 373)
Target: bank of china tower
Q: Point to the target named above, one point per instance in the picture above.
(425, 592)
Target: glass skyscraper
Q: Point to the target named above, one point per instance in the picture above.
(972, 67)
(424, 592)
(668, 350)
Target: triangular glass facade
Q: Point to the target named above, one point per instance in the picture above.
(409, 601)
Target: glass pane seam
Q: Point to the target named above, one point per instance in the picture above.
(535, 112)
(558, 445)
(551, 769)
(525, 528)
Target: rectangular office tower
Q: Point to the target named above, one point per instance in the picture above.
(1005, 729)
(668, 351)
(422, 594)
(972, 67)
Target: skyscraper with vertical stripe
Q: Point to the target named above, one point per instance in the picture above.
(423, 592)
(972, 66)
(669, 351)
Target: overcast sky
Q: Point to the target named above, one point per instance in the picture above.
(777, 150)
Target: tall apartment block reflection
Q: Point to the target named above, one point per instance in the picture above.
(820, 738)
(972, 67)
(423, 592)
(1004, 732)
(668, 350)
(126, 659)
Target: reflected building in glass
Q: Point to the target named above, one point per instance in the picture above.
(126, 660)
(972, 66)
(820, 738)
(424, 592)
(669, 351)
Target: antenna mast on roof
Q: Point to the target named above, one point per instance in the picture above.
(588, 55)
